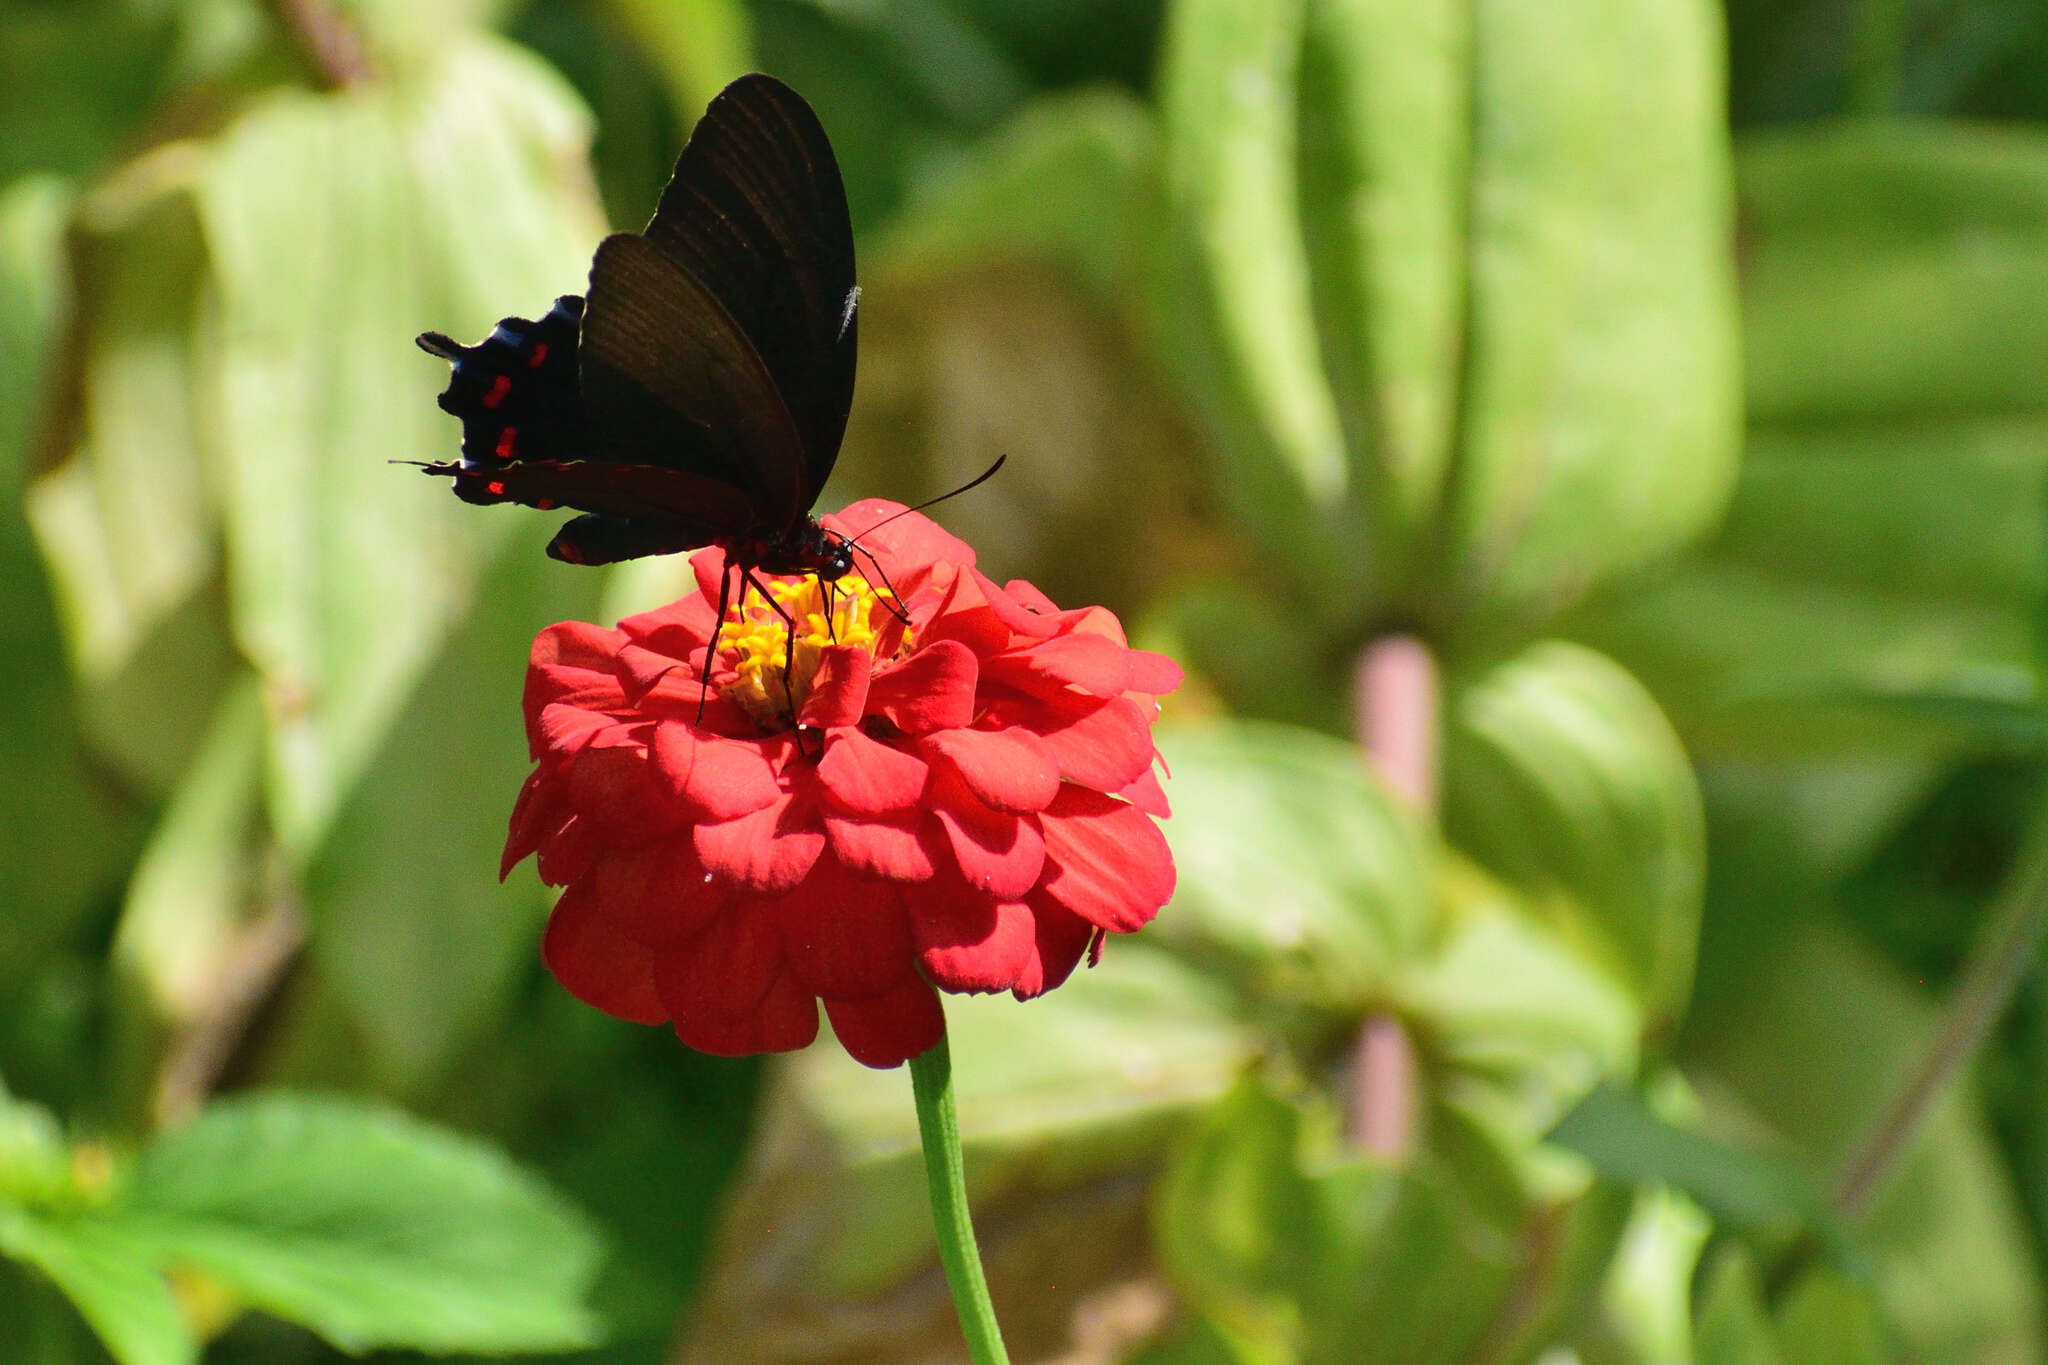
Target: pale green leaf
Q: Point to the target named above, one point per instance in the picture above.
(339, 226)
(191, 890)
(1300, 875)
(1386, 112)
(1562, 775)
(368, 1226)
(1237, 325)
(1733, 1326)
(1601, 405)
(112, 1279)
(1827, 1319)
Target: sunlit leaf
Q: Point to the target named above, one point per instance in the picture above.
(1300, 875)
(366, 1225)
(114, 1280)
(1562, 775)
(416, 210)
(695, 46)
(1237, 326)
(1386, 111)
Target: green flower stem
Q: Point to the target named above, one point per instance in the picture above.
(938, 1126)
(1997, 963)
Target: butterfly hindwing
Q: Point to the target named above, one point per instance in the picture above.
(757, 213)
(515, 391)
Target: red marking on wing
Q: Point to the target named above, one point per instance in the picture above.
(545, 504)
(500, 386)
(506, 442)
(540, 353)
(495, 488)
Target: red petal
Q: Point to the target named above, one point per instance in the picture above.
(680, 630)
(724, 972)
(1090, 662)
(898, 848)
(1148, 796)
(964, 616)
(597, 964)
(1060, 937)
(1153, 674)
(1011, 769)
(539, 812)
(839, 690)
(933, 689)
(999, 854)
(783, 1020)
(971, 943)
(863, 776)
(615, 788)
(1016, 615)
(888, 1030)
(563, 729)
(1101, 744)
(768, 852)
(712, 779)
(654, 893)
(843, 936)
(708, 564)
(565, 854)
(643, 670)
(1106, 860)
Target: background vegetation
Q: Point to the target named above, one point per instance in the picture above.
(1623, 419)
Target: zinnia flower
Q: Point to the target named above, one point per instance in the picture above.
(966, 802)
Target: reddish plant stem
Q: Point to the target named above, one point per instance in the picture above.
(327, 40)
(1397, 726)
(1997, 964)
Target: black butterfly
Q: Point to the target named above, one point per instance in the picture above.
(699, 394)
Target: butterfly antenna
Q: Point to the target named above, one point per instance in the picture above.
(977, 481)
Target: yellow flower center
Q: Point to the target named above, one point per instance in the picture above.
(771, 680)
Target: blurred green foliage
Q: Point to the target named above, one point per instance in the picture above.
(1673, 371)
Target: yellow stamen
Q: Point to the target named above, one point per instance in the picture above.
(768, 682)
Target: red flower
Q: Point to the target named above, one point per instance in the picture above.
(968, 805)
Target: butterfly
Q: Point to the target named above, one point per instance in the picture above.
(697, 395)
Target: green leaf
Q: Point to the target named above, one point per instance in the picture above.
(343, 574)
(1073, 177)
(191, 890)
(1505, 264)
(1562, 775)
(1612, 1128)
(370, 1227)
(60, 838)
(1300, 876)
(1520, 1021)
(695, 46)
(113, 1280)
(1733, 1325)
(1883, 540)
(1270, 1226)
(1601, 408)
(420, 940)
(1237, 324)
(1826, 1319)
(1386, 151)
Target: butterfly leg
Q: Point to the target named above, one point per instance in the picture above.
(893, 601)
(747, 579)
(717, 625)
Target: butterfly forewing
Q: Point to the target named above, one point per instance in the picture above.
(757, 213)
(652, 331)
